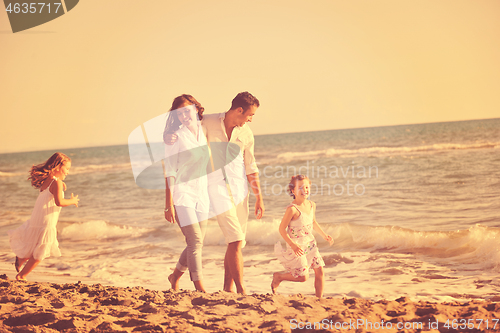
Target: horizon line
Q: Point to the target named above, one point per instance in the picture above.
(255, 135)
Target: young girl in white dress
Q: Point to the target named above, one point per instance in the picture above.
(301, 253)
(36, 239)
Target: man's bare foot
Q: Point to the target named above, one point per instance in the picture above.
(275, 283)
(174, 284)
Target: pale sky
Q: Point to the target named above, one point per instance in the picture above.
(91, 76)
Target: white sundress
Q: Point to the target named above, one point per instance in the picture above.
(37, 236)
(300, 231)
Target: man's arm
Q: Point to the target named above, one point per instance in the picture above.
(254, 181)
(253, 175)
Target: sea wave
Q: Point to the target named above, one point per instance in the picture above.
(99, 230)
(100, 167)
(478, 244)
(380, 151)
(258, 233)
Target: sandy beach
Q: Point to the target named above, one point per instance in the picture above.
(77, 307)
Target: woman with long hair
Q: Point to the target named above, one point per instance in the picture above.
(186, 194)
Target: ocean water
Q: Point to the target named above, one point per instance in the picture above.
(413, 210)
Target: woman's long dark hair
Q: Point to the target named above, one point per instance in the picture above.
(173, 122)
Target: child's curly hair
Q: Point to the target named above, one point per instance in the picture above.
(39, 173)
(293, 182)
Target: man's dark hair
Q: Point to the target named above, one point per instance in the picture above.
(244, 100)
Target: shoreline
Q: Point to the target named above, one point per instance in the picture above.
(78, 307)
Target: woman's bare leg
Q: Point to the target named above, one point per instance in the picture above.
(174, 279)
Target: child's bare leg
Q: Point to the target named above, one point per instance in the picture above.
(23, 260)
(20, 262)
(28, 268)
(275, 283)
(319, 281)
(279, 277)
(174, 279)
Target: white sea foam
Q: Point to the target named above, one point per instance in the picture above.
(98, 230)
(263, 233)
(477, 244)
(379, 151)
(258, 233)
(99, 167)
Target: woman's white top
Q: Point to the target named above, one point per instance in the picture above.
(187, 161)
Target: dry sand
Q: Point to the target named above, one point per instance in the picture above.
(76, 307)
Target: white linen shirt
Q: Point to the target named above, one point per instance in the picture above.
(187, 161)
(237, 163)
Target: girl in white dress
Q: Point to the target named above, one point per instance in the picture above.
(36, 239)
(296, 227)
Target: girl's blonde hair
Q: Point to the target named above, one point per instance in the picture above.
(39, 173)
(293, 182)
